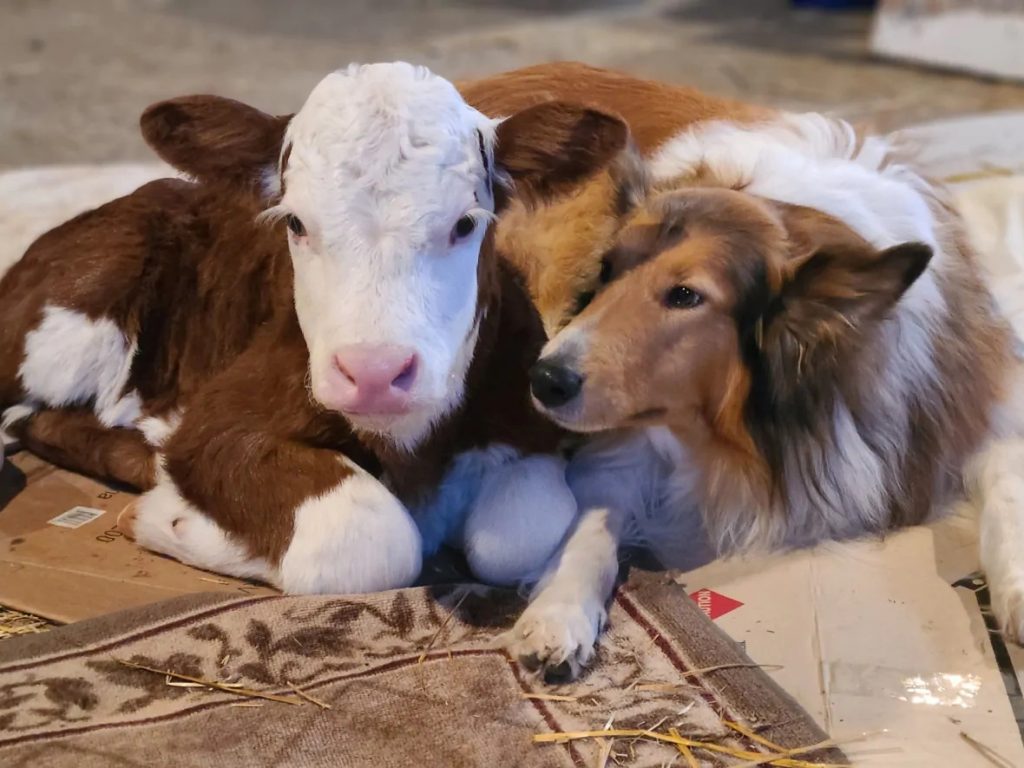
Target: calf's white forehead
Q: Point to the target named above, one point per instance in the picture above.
(393, 142)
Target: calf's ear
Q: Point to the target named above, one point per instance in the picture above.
(216, 139)
(547, 149)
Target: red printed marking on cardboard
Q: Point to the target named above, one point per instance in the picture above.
(714, 604)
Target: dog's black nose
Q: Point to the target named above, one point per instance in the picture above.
(554, 384)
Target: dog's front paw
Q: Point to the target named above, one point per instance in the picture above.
(556, 637)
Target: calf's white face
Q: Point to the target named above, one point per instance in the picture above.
(386, 189)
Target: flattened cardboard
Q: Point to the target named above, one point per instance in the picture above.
(873, 637)
(69, 574)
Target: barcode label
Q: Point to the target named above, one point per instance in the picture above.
(76, 517)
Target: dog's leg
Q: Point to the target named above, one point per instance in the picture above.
(996, 481)
(612, 479)
(558, 630)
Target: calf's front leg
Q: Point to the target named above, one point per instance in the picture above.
(520, 516)
(353, 536)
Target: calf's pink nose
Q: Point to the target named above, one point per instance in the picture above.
(373, 378)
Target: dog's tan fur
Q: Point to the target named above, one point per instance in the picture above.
(557, 244)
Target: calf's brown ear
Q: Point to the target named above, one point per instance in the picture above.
(215, 139)
(547, 149)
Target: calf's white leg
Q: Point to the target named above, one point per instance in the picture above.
(522, 512)
(357, 537)
(162, 521)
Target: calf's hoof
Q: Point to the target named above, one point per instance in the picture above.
(126, 520)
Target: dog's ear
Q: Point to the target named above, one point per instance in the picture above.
(798, 342)
(547, 149)
(215, 139)
(828, 302)
(829, 293)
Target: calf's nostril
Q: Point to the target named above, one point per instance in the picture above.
(339, 365)
(554, 384)
(406, 375)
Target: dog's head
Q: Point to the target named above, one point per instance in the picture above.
(714, 306)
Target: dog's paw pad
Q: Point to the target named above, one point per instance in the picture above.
(556, 639)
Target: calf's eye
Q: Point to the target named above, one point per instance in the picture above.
(583, 301)
(681, 297)
(463, 228)
(295, 226)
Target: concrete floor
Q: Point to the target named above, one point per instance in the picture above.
(75, 75)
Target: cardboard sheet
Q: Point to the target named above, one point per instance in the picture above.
(873, 637)
(63, 557)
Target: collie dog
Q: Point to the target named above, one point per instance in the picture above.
(785, 338)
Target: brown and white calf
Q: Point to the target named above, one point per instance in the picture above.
(288, 390)
(779, 335)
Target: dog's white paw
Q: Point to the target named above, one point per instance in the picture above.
(556, 637)
(1008, 607)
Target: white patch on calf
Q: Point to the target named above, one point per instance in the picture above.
(442, 517)
(383, 160)
(70, 360)
(8, 419)
(522, 513)
(164, 522)
(157, 430)
(13, 415)
(123, 413)
(357, 537)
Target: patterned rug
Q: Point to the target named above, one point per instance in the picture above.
(405, 678)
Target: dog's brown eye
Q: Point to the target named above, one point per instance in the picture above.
(463, 228)
(295, 226)
(606, 271)
(681, 297)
